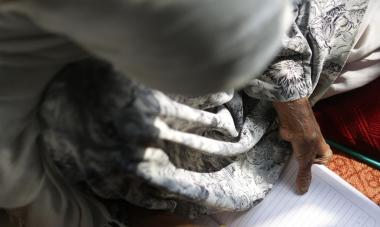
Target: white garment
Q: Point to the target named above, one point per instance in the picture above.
(227, 43)
(363, 64)
(125, 33)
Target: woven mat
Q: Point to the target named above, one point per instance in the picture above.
(363, 177)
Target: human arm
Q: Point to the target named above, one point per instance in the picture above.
(289, 82)
(297, 125)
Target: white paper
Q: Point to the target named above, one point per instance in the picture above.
(331, 201)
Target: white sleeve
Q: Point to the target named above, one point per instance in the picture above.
(178, 46)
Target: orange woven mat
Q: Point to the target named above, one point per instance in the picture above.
(363, 177)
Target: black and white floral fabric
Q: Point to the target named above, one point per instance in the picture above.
(314, 50)
(122, 141)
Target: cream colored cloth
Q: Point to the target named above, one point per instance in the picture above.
(227, 43)
(28, 60)
(31, 56)
(363, 65)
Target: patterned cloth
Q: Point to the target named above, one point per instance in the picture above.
(192, 155)
(314, 51)
(189, 155)
(119, 141)
(362, 176)
(363, 63)
(161, 43)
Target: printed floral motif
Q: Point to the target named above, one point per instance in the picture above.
(314, 51)
(122, 141)
(191, 155)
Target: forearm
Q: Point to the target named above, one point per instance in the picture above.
(299, 127)
(296, 119)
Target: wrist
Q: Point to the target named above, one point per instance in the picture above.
(290, 134)
(297, 121)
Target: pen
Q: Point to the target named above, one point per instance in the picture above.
(354, 154)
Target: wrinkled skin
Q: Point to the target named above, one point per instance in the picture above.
(299, 127)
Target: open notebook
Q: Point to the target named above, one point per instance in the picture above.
(331, 201)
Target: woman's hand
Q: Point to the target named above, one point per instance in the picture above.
(299, 127)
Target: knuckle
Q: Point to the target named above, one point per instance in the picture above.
(285, 134)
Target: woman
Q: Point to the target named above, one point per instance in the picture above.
(196, 154)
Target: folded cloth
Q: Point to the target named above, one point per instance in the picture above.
(363, 63)
(353, 119)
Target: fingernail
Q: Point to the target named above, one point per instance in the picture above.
(302, 190)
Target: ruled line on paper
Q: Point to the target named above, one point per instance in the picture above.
(328, 203)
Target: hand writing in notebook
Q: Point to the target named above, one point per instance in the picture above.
(299, 127)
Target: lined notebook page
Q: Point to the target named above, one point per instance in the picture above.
(331, 201)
